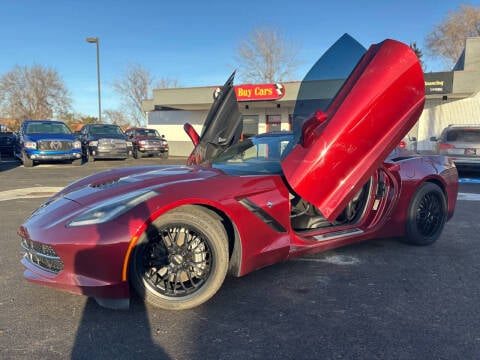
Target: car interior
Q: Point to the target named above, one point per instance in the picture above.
(304, 216)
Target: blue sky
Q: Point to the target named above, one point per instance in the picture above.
(192, 41)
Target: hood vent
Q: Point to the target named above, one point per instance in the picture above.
(107, 183)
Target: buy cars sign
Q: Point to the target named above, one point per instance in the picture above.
(259, 92)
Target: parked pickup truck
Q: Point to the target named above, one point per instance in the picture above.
(104, 141)
(147, 142)
(46, 140)
(6, 140)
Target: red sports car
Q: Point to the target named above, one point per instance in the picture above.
(172, 233)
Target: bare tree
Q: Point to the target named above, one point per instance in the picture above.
(34, 92)
(447, 39)
(116, 117)
(166, 83)
(134, 86)
(267, 56)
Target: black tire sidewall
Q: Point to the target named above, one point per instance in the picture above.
(412, 233)
(27, 162)
(203, 222)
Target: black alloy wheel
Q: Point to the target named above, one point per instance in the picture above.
(426, 216)
(182, 260)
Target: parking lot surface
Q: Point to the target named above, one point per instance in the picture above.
(380, 299)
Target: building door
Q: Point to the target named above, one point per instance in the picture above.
(274, 123)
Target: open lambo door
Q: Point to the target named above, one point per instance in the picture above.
(341, 142)
(222, 128)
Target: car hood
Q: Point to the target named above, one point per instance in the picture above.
(108, 184)
(156, 138)
(105, 136)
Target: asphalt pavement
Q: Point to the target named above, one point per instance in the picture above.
(380, 299)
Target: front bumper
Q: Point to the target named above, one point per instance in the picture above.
(106, 153)
(56, 156)
(467, 162)
(79, 260)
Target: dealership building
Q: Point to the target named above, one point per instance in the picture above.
(452, 97)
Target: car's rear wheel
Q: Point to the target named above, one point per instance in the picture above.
(181, 260)
(426, 215)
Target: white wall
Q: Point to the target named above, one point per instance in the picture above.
(435, 119)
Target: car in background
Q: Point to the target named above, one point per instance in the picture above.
(46, 140)
(147, 142)
(409, 143)
(462, 144)
(6, 141)
(104, 141)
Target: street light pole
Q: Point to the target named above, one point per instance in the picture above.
(95, 40)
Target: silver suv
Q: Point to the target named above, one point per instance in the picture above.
(461, 143)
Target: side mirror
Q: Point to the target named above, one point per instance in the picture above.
(413, 138)
(192, 134)
(433, 138)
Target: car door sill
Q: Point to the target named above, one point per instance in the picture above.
(338, 234)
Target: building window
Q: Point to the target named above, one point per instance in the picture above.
(250, 126)
(274, 123)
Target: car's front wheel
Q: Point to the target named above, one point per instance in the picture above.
(136, 154)
(426, 215)
(89, 157)
(27, 162)
(181, 260)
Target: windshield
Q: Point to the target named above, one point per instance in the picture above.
(47, 128)
(257, 155)
(106, 130)
(148, 132)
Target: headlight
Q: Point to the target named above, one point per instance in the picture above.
(142, 142)
(77, 144)
(112, 208)
(129, 143)
(93, 143)
(30, 144)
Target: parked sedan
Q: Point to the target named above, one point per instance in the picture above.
(172, 233)
(462, 144)
(104, 141)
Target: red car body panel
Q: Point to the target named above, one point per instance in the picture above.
(371, 114)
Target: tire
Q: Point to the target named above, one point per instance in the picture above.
(136, 155)
(181, 260)
(89, 156)
(77, 162)
(27, 162)
(427, 214)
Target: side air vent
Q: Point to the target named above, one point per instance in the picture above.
(263, 215)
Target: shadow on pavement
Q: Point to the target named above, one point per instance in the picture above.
(112, 334)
